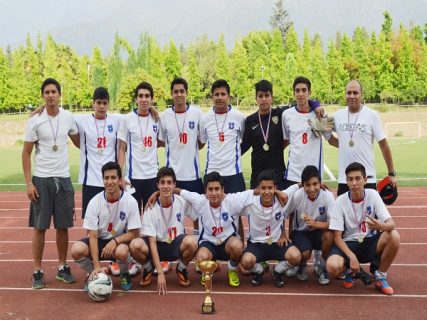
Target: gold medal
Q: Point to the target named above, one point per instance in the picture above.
(218, 241)
(55, 147)
(351, 143)
(270, 241)
(169, 240)
(360, 239)
(265, 147)
(113, 232)
(100, 151)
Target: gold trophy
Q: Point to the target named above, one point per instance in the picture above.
(208, 268)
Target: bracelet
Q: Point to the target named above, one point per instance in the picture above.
(115, 240)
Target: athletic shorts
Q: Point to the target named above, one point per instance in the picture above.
(307, 240)
(265, 251)
(88, 192)
(289, 183)
(343, 187)
(365, 251)
(193, 186)
(217, 250)
(56, 198)
(101, 245)
(234, 183)
(167, 251)
(144, 188)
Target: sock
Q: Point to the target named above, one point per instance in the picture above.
(124, 265)
(317, 256)
(322, 262)
(85, 263)
(181, 266)
(195, 232)
(148, 266)
(232, 265)
(257, 268)
(379, 274)
(282, 266)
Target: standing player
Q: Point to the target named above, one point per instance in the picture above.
(363, 231)
(267, 233)
(357, 126)
(50, 189)
(164, 234)
(309, 210)
(112, 221)
(138, 145)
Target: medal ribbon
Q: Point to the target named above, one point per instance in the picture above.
(265, 134)
(363, 214)
(354, 124)
(270, 222)
(103, 130)
(112, 217)
(216, 121)
(166, 224)
(55, 135)
(146, 127)
(181, 131)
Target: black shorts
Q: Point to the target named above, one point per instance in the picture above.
(265, 251)
(56, 198)
(343, 187)
(365, 252)
(193, 186)
(144, 188)
(289, 183)
(307, 240)
(101, 245)
(217, 251)
(88, 192)
(234, 183)
(167, 251)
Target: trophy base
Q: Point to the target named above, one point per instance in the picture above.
(208, 308)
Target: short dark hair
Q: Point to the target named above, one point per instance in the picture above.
(355, 166)
(112, 166)
(358, 82)
(213, 176)
(310, 172)
(299, 80)
(49, 81)
(267, 175)
(264, 86)
(101, 93)
(221, 83)
(144, 85)
(179, 81)
(165, 172)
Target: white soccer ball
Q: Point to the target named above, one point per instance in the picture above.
(100, 288)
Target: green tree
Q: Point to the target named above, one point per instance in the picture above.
(195, 90)
(318, 72)
(222, 61)
(241, 86)
(98, 69)
(280, 19)
(386, 27)
(172, 61)
(363, 62)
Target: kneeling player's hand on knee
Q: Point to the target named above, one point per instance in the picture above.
(109, 249)
(283, 241)
(354, 265)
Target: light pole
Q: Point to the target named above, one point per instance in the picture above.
(262, 71)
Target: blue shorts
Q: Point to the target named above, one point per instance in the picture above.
(167, 251)
(101, 245)
(265, 251)
(365, 252)
(217, 250)
(193, 186)
(234, 183)
(307, 240)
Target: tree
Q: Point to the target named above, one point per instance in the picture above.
(338, 75)
(280, 19)
(386, 27)
(240, 83)
(98, 69)
(195, 90)
(222, 63)
(172, 60)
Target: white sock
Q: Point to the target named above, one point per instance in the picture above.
(282, 266)
(232, 265)
(124, 265)
(85, 263)
(257, 268)
(148, 266)
(379, 274)
(181, 266)
(317, 254)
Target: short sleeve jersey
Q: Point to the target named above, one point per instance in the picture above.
(98, 145)
(349, 217)
(180, 133)
(41, 130)
(140, 133)
(112, 219)
(223, 133)
(365, 127)
(166, 223)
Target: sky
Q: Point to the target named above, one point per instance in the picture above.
(84, 24)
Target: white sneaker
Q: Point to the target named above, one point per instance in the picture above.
(114, 268)
(302, 273)
(134, 268)
(324, 278)
(292, 272)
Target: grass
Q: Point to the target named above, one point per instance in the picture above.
(408, 156)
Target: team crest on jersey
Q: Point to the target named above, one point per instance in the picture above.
(178, 216)
(322, 210)
(231, 125)
(122, 215)
(369, 210)
(110, 128)
(275, 119)
(277, 216)
(155, 128)
(225, 216)
(191, 124)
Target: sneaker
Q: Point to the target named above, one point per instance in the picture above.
(233, 278)
(183, 277)
(277, 279)
(166, 267)
(114, 268)
(134, 268)
(85, 288)
(38, 279)
(324, 277)
(257, 279)
(292, 272)
(125, 281)
(348, 282)
(64, 274)
(382, 285)
(302, 273)
(147, 275)
(265, 265)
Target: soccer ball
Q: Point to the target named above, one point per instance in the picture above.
(100, 288)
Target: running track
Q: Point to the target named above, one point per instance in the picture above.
(300, 300)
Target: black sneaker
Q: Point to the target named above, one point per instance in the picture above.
(64, 274)
(257, 279)
(182, 277)
(38, 279)
(277, 279)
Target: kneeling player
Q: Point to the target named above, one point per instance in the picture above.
(363, 232)
(267, 234)
(164, 231)
(309, 209)
(112, 220)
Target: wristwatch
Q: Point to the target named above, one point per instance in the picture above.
(392, 173)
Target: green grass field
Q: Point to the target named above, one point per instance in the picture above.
(408, 155)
